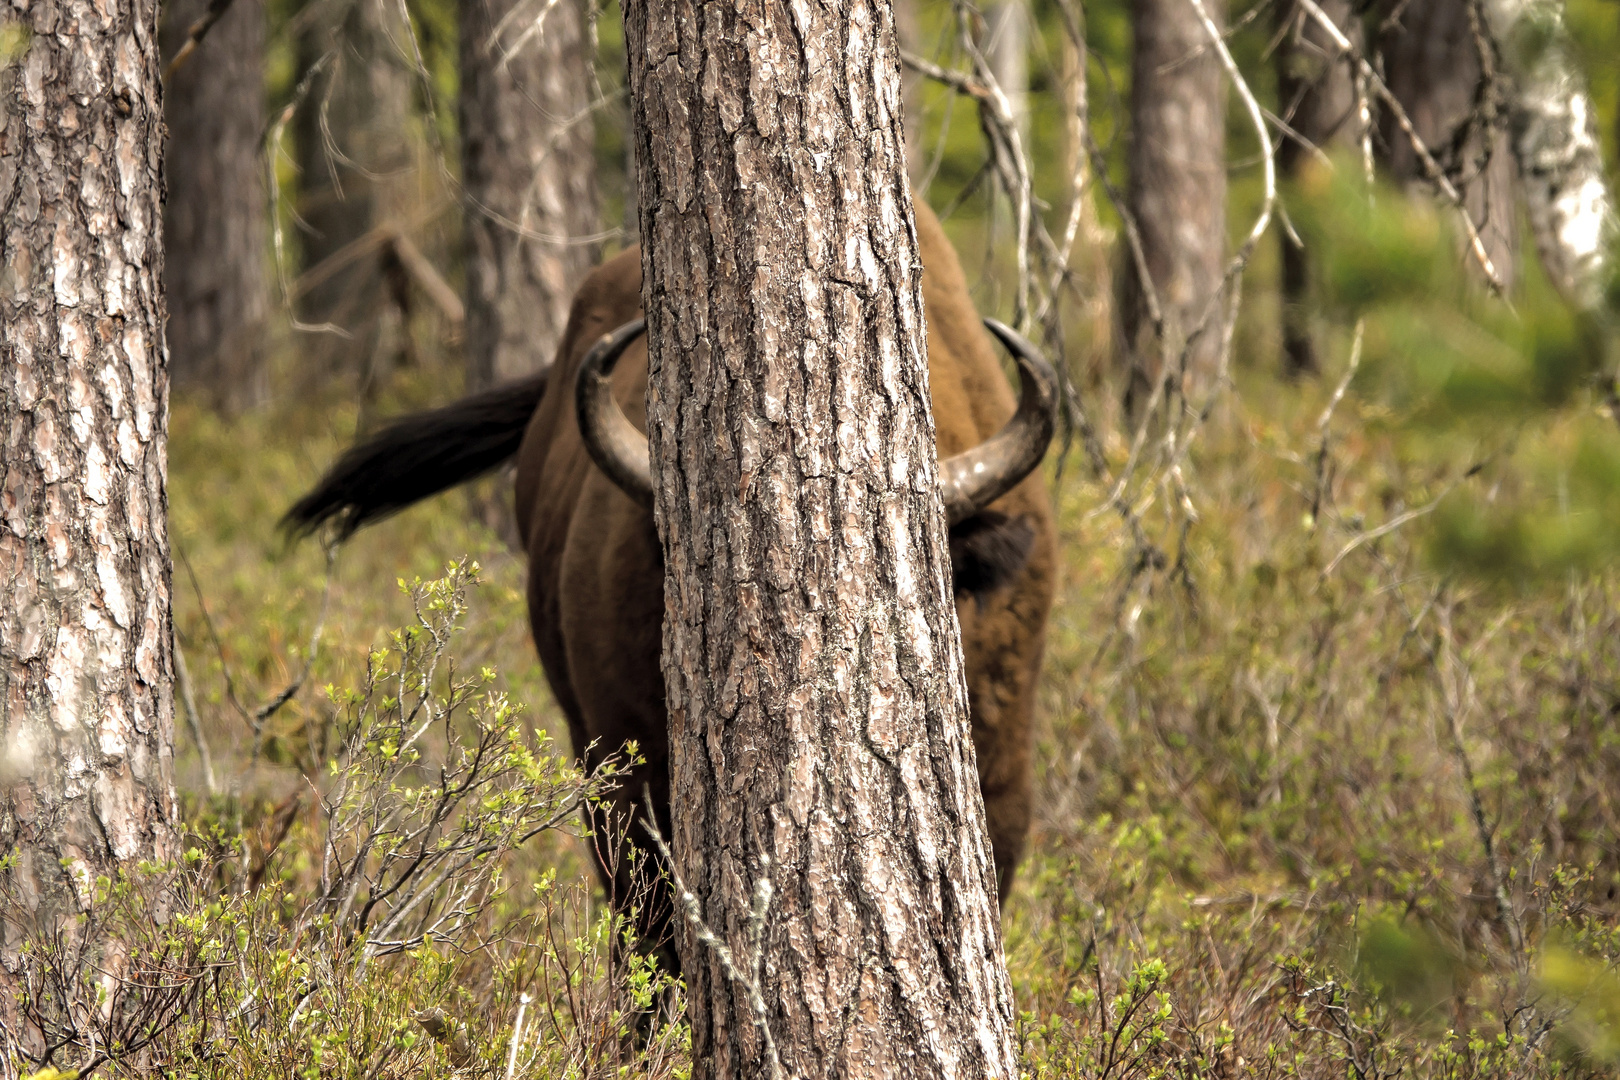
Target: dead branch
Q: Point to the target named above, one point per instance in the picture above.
(194, 35)
(427, 278)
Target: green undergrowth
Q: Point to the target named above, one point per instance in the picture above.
(1323, 791)
(1316, 796)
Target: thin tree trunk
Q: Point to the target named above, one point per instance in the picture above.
(1006, 47)
(909, 32)
(1432, 65)
(529, 166)
(1554, 125)
(818, 712)
(86, 704)
(1177, 191)
(1316, 95)
(1006, 53)
(354, 156)
(215, 220)
(1091, 279)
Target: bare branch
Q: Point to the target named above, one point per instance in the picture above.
(194, 35)
(1431, 168)
(426, 277)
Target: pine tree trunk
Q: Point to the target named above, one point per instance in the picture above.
(86, 709)
(1317, 95)
(354, 156)
(529, 166)
(1433, 68)
(1177, 190)
(215, 222)
(818, 711)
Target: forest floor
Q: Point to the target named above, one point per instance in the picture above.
(1308, 803)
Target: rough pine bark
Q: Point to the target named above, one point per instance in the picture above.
(86, 709)
(1432, 66)
(215, 220)
(817, 704)
(529, 167)
(1317, 95)
(1177, 189)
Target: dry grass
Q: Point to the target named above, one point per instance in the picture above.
(1299, 814)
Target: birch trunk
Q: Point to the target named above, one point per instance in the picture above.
(817, 704)
(1006, 48)
(215, 222)
(529, 166)
(1554, 126)
(1177, 190)
(86, 708)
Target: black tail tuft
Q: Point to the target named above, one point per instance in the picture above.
(417, 456)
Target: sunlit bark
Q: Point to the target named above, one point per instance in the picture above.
(817, 702)
(86, 702)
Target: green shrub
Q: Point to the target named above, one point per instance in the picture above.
(384, 938)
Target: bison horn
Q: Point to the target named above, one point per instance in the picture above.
(968, 481)
(612, 440)
(973, 479)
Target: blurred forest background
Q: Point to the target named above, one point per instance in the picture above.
(1329, 764)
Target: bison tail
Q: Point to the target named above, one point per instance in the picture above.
(419, 455)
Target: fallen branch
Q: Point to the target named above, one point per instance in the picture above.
(427, 278)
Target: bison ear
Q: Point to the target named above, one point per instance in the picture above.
(988, 550)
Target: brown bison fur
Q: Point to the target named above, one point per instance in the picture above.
(596, 583)
(596, 579)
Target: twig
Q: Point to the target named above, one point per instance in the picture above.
(1007, 150)
(1393, 19)
(1262, 221)
(194, 35)
(517, 1036)
(1401, 519)
(270, 708)
(1133, 236)
(188, 701)
(213, 635)
(535, 29)
(1322, 422)
(256, 718)
(1452, 687)
(707, 937)
(272, 141)
(953, 79)
(1384, 530)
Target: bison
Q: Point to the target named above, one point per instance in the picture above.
(595, 589)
